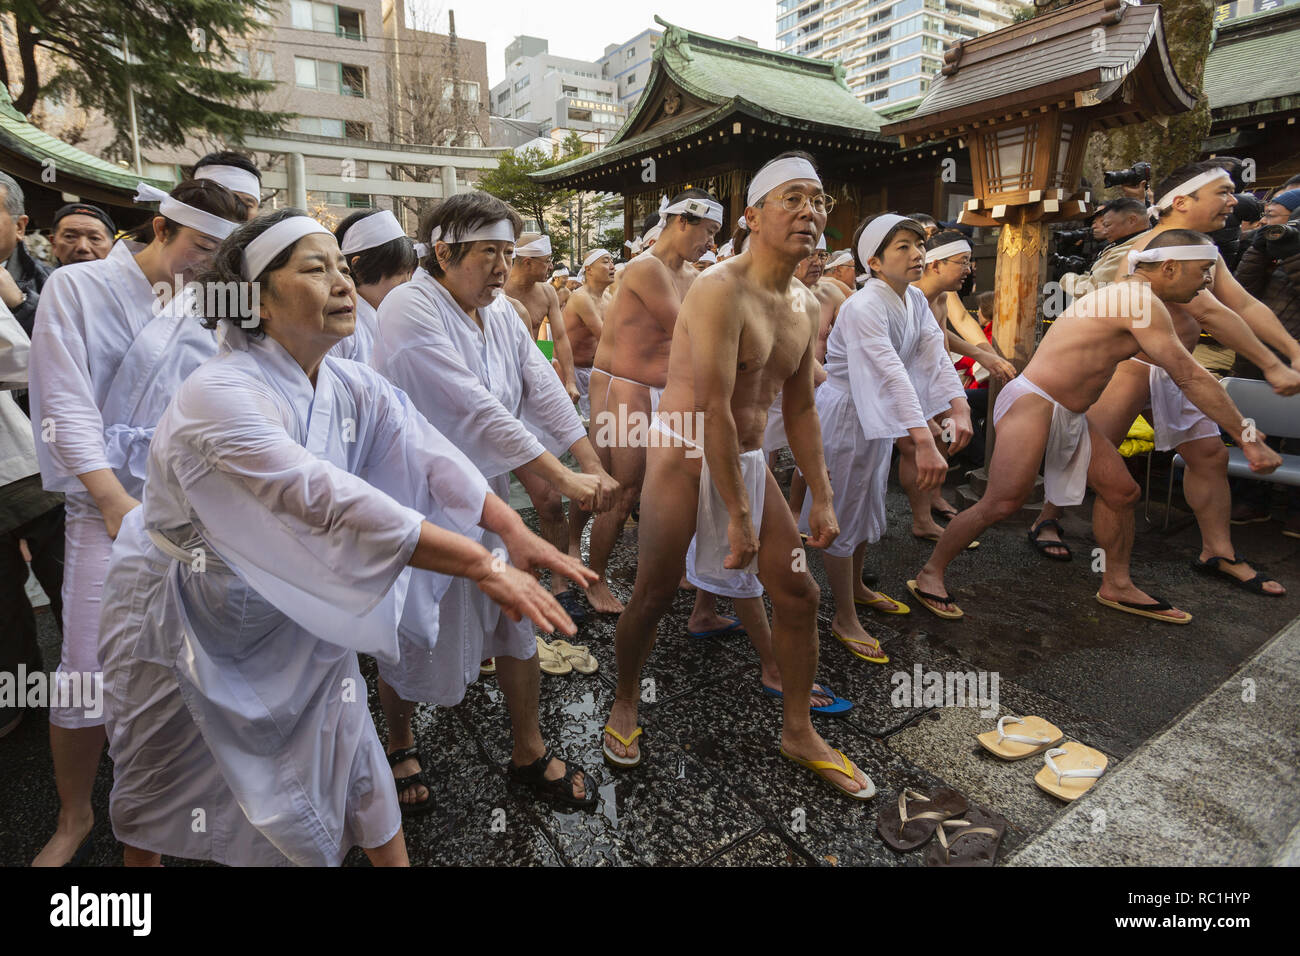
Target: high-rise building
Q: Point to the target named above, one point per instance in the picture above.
(628, 64)
(890, 48)
(560, 93)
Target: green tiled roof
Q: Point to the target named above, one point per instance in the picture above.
(18, 134)
(1255, 58)
(782, 88)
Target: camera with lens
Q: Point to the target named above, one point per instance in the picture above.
(1135, 175)
(1069, 263)
(1072, 237)
(1248, 208)
(1287, 231)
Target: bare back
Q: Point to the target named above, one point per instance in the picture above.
(638, 326)
(766, 339)
(1079, 353)
(584, 317)
(830, 298)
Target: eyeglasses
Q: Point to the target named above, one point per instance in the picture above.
(821, 203)
(821, 256)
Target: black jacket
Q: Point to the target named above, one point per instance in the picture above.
(1276, 283)
(30, 276)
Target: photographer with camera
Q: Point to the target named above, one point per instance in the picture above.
(1134, 182)
(1270, 271)
(1119, 222)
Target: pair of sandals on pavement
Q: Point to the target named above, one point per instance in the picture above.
(1069, 770)
(963, 834)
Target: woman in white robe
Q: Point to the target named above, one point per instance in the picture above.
(380, 257)
(887, 374)
(100, 344)
(451, 340)
(287, 494)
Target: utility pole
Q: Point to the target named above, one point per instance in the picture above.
(130, 109)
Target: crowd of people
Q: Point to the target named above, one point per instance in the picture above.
(253, 448)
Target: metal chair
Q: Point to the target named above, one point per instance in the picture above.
(1277, 416)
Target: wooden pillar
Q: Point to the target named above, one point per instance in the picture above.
(1018, 284)
(736, 210)
(629, 225)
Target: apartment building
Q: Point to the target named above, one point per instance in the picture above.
(560, 93)
(628, 65)
(890, 48)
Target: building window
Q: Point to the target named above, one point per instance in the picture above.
(630, 55)
(256, 64)
(631, 78)
(353, 81)
(521, 83)
(468, 91)
(327, 18)
(320, 126)
(356, 129)
(348, 200)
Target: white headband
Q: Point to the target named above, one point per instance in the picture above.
(874, 235)
(1180, 253)
(701, 208)
(821, 241)
(842, 258)
(372, 231)
(185, 214)
(595, 256)
(421, 249)
(498, 231)
(726, 248)
(946, 251)
(652, 235)
(710, 257)
(1193, 184)
(233, 178)
(259, 253)
(778, 172)
(537, 249)
(560, 272)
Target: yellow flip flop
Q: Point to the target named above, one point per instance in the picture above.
(925, 597)
(1146, 610)
(846, 768)
(624, 763)
(1070, 770)
(895, 607)
(847, 642)
(1038, 735)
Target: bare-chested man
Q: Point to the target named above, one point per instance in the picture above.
(839, 269)
(584, 318)
(1199, 197)
(560, 283)
(1044, 411)
(746, 332)
(527, 284)
(947, 264)
(631, 364)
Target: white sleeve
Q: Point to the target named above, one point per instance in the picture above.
(415, 463)
(935, 376)
(320, 543)
(429, 367)
(883, 395)
(546, 408)
(15, 349)
(62, 398)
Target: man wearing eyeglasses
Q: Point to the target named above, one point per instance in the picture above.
(746, 333)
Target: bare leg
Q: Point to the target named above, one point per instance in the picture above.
(1205, 486)
(397, 715)
(705, 616)
(753, 615)
(671, 493)
(76, 754)
(519, 682)
(840, 575)
(1050, 512)
(798, 489)
(794, 595)
(550, 517)
(392, 853)
(615, 402)
(1022, 437)
(135, 857)
(923, 523)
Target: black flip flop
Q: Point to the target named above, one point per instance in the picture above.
(1042, 546)
(573, 605)
(1213, 567)
(972, 841)
(912, 820)
(938, 515)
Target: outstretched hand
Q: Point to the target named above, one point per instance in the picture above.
(520, 595)
(530, 553)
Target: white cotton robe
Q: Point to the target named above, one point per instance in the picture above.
(106, 359)
(887, 371)
(360, 345)
(492, 392)
(231, 679)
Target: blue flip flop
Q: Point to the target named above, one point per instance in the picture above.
(835, 708)
(734, 627)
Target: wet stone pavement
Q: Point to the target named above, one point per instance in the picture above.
(713, 790)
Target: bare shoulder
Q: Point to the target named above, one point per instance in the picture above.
(827, 292)
(518, 307)
(548, 292)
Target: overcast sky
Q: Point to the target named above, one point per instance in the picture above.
(582, 29)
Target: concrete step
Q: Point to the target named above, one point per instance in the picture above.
(1219, 787)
